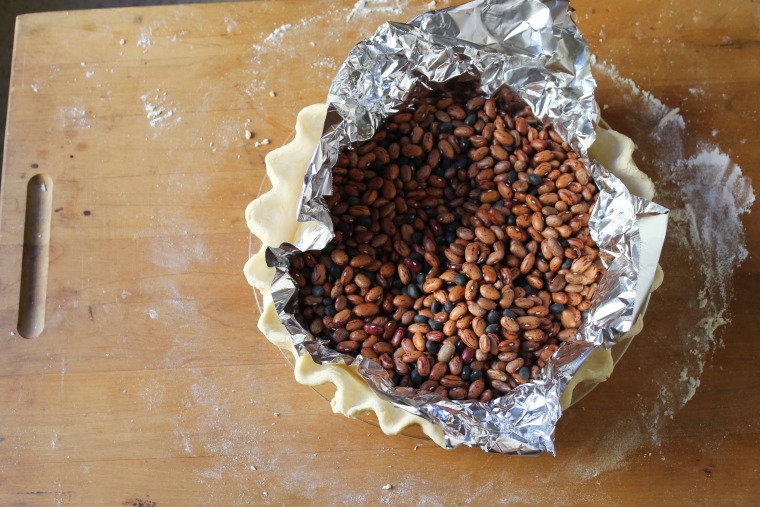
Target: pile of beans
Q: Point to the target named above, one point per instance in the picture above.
(462, 255)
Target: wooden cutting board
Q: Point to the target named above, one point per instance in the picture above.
(150, 384)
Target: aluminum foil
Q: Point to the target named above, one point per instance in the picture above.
(535, 48)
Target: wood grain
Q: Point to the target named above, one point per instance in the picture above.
(151, 382)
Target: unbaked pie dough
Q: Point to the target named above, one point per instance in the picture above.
(272, 218)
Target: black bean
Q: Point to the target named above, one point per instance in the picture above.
(493, 317)
(445, 127)
(493, 328)
(436, 307)
(420, 319)
(330, 311)
(567, 263)
(556, 308)
(328, 301)
(511, 176)
(448, 306)
(432, 347)
(524, 373)
(461, 346)
(415, 376)
(461, 279)
(511, 220)
(476, 375)
(318, 290)
(535, 179)
(435, 325)
(466, 371)
(414, 291)
(471, 119)
(509, 313)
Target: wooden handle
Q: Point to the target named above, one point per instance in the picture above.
(34, 263)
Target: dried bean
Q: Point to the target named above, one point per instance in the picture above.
(435, 250)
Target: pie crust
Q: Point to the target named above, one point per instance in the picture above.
(272, 218)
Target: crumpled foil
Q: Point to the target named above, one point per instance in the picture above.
(535, 48)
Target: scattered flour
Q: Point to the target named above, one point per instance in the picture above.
(152, 392)
(75, 117)
(160, 110)
(327, 62)
(363, 8)
(231, 24)
(146, 39)
(706, 193)
(278, 33)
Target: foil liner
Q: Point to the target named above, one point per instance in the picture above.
(534, 48)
